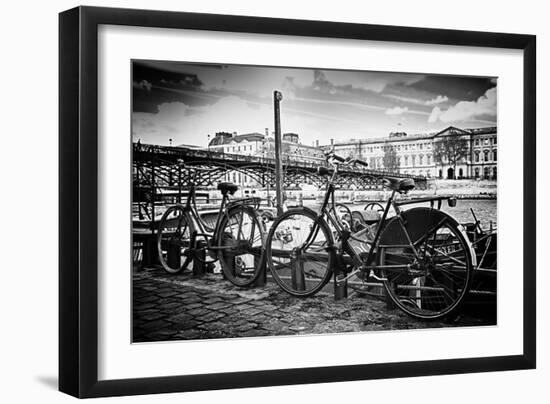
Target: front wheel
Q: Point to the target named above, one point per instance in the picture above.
(429, 276)
(174, 239)
(299, 252)
(240, 239)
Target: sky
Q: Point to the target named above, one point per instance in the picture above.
(189, 102)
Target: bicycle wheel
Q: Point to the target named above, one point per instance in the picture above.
(299, 252)
(438, 274)
(240, 240)
(174, 239)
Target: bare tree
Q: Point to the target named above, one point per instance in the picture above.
(450, 150)
(390, 160)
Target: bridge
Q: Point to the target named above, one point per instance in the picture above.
(174, 168)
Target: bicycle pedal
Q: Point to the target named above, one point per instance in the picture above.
(378, 278)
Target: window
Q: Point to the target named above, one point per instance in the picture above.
(421, 146)
(485, 155)
(413, 160)
(420, 158)
(406, 160)
(477, 172)
(477, 156)
(428, 159)
(477, 142)
(486, 142)
(495, 155)
(495, 142)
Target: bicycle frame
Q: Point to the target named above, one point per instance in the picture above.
(359, 263)
(203, 229)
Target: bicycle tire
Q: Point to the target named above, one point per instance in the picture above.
(237, 256)
(178, 241)
(293, 276)
(441, 244)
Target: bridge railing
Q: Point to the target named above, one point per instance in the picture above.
(206, 156)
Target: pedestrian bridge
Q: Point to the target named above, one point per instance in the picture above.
(175, 168)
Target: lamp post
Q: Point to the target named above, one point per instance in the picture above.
(279, 180)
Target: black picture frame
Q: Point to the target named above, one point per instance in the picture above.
(78, 206)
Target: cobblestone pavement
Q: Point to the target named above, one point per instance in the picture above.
(180, 307)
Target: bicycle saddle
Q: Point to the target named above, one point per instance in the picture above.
(399, 185)
(226, 187)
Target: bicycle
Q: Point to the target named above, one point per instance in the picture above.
(421, 255)
(235, 240)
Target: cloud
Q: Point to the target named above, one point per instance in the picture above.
(396, 111)
(468, 110)
(437, 100)
(434, 116)
(143, 85)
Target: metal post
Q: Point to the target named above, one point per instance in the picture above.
(297, 275)
(262, 278)
(340, 286)
(279, 180)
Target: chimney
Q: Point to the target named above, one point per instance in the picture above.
(317, 143)
(234, 134)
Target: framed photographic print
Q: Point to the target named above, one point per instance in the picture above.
(250, 201)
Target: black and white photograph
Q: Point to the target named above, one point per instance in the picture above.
(273, 201)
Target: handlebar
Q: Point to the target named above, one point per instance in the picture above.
(347, 161)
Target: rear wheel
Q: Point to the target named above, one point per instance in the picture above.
(432, 281)
(240, 244)
(174, 239)
(299, 252)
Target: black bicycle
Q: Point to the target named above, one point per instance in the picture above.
(421, 255)
(235, 239)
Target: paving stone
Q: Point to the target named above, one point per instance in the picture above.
(173, 305)
(151, 316)
(147, 299)
(155, 325)
(186, 325)
(198, 312)
(212, 316)
(193, 306)
(245, 327)
(218, 306)
(212, 300)
(191, 300)
(180, 318)
(251, 312)
(161, 334)
(255, 332)
(189, 334)
(143, 307)
(215, 326)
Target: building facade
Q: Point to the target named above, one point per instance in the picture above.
(451, 153)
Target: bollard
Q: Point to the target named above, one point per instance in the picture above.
(150, 254)
(297, 274)
(262, 278)
(199, 267)
(340, 286)
(173, 254)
